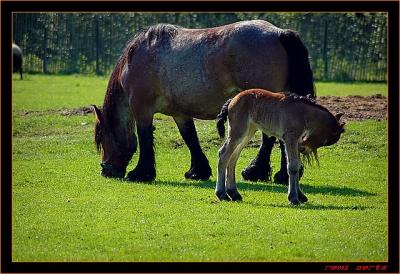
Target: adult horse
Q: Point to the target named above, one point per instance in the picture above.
(17, 59)
(190, 73)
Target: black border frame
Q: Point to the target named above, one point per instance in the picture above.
(8, 7)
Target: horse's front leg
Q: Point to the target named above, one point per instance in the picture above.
(293, 167)
(260, 168)
(145, 169)
(282, 177)
(199, 167)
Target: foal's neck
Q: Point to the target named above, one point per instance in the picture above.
(315, 116)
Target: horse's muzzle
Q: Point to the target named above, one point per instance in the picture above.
(108, 170)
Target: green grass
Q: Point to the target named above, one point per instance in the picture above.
(63, 210)
(40, 92)
(344, 89)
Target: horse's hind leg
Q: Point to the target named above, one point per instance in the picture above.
(199, 167)
(145, 169)
(259, 168)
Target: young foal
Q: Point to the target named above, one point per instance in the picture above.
(298, 121)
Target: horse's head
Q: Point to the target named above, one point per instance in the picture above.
(325, 134)
(117, 143)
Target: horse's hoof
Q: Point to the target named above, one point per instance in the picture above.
(198, 173)
(222, 196)
(281, 178)
(303, 198)
(294, 202)
(255, 173)
(138, 176)
(234, 194)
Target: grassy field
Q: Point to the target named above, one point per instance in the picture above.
(63, 210)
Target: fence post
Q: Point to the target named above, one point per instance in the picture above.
(96, 18)
(325, 50)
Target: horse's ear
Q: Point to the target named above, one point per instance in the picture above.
(97, 113)
(339, 115)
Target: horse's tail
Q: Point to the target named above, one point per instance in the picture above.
(221, 119)
(301, 79)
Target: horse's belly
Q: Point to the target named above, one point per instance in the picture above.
(197, 105)
(190, 86)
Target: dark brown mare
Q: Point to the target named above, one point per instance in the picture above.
(190, 73)
(298, 121)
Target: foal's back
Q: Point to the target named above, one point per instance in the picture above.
(266, 110)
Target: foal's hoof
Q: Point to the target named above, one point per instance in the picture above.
(141, 176)
(203, 173)
(234, 194)
(222, 196)
(256, 173)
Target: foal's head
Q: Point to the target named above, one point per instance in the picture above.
(116, 142)
(325, 132)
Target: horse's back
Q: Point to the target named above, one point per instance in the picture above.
(244, 55)
(196, 70)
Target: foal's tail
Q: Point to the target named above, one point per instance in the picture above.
(301, 79)
(221, 119)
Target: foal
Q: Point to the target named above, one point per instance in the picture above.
(298, 121)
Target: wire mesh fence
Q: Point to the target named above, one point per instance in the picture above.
(342, 46)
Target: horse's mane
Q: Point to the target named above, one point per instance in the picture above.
(152, 36)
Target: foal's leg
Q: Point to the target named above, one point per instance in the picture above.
(282, 177)
(260, 168)
(302, 197)
(293, 167)
(145, 169)
(225, 153)
(238, 131)
(230, 182)
(199, 167)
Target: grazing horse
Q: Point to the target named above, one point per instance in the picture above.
(17, 59)
(298, 121)
(190, 73)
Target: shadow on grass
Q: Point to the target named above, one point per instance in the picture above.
(269, 187)
(310, 206)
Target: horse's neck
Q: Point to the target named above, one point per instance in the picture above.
(120, 110)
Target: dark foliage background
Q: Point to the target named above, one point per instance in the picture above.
(342, 46)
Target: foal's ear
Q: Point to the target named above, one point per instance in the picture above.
(97, 113)
(339, 115)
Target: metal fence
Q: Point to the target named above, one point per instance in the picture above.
(342, 46)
